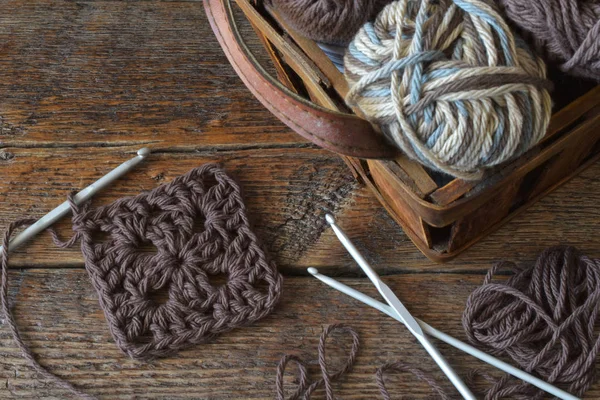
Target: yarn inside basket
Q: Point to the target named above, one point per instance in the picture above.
(449, 84)
(567, 31)
(329, 21)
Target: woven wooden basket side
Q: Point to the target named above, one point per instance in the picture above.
(443, 216)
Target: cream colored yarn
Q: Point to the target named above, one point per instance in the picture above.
(449, 84)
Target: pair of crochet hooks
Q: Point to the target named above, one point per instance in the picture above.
(62, 210)
(401, 313)
(424, 327)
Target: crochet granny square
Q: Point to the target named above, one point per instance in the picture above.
(153, 260)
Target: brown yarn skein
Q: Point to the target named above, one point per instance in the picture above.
(567, 31)
(544, 317)
(329, 21)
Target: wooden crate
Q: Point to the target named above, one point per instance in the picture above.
(442, 216)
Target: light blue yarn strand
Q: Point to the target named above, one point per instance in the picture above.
(371, 93)
(385, 72)
(435, 136)
(461, 108)
(359, 55)
(439, 73)
(472, 9)
(417, 43)
(370, 30)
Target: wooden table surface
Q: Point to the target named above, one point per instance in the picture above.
(85, 84)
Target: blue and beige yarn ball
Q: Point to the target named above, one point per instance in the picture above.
(449, 84)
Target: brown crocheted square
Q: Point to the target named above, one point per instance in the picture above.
(154, 271)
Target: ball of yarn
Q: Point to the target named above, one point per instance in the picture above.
(544, 317)
(329, 21)
(449, 84)
(568, 31)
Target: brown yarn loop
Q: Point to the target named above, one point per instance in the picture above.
(568, 31)
(199, 228)
(329, 21)
(10, 320)
(504, 387)
(305, 388)
(544, 317)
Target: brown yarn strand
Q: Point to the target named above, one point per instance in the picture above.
(544, 317)
(568, 31)
(305, 389)
(159, 302)
(10, 320)
(505, 387)
(329, 21)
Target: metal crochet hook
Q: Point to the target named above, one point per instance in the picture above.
(81, 197)
(401, 312)
(467, 348)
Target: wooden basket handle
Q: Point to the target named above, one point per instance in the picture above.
(341, 133)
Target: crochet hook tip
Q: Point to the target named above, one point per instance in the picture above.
(329, 218)
(313, 271)
(143, 152)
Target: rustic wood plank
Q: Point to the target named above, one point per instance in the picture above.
(59, 316)
(287, 192)
(87, 83)
(417, 173)
(397, 198)
(452, 191)
(122, 73)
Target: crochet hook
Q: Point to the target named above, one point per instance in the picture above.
(401, 312)
(467, 348)
(81, 197)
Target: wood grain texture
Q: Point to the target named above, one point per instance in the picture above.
(123, 72)
(85, 84)
(59, 316)
(287, 193)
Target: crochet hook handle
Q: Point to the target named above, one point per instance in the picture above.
(81, 197)
(439, 359)
(360, 260)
